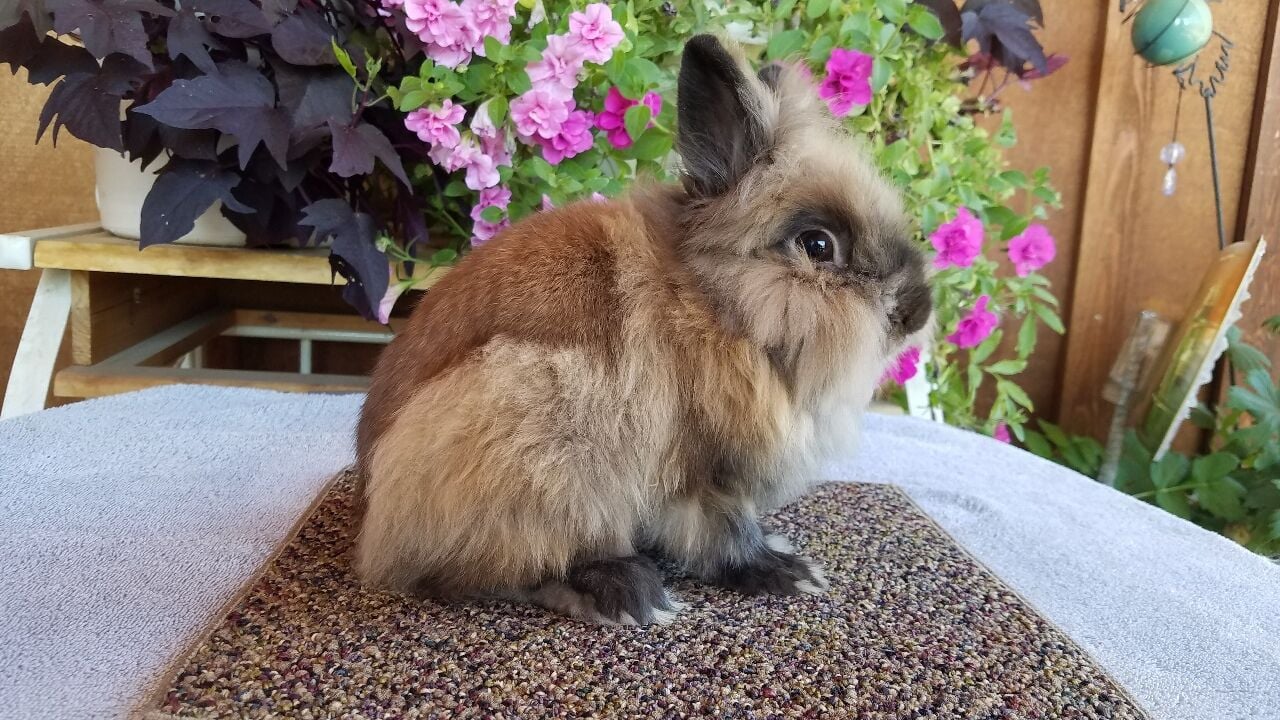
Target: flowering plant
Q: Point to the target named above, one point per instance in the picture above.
(562, 100)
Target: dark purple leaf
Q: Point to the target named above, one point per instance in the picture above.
(1003, 31)
(142, 138)
(108, 26)
(275, 213)
(88, 104)
(304, 38)
(18, 43)
(183, 191)
(949, 15)
(354, 254)
(234, 18)
(236, 101)
(188, 36)
(355, 147)
(1055, 62)
(276, 10)
(11, 13)
(1030, 7)
(55, 59)
(313, 96)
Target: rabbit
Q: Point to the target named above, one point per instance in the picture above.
(612, 381)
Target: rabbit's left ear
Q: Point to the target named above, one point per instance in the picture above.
(726, 117)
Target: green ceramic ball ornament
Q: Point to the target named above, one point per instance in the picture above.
(1170, 31)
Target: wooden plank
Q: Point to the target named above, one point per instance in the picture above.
(17, 249)
(102, 252)
(99, 381)
(111, 311)
(167, 346)
(1140, 250)
(312, 321)
(1260, 204)
(37, 353)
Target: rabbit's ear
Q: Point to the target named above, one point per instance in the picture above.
(725, 117)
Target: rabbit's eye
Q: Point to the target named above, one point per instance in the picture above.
(817, 244)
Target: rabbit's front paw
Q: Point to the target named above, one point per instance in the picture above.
(775, 570)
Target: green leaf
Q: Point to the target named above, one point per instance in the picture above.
(894, 11)
(652, 145)
(444, 256)
(456, 188)
(1273, 527)
(821, 48)
(785, 44)
(637, 119)
(1222, 498)
(880, 74)
(1244, 356)
(1174, 501)
(1027, 337)
(1037, 444)
(988, 346)
(498, 110)
(1212, 468)
(1055, 434)
(923, 21)
(1202, 418)
(815, 9)
(1170, 470)
(1050, 318)
(1015, 393)
(344, 58)
(1008, 367)
(492, 214)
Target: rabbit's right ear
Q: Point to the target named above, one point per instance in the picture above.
(725, 117)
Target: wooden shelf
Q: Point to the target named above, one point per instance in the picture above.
(99, 251)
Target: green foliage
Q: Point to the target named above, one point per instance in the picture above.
(1235, 488)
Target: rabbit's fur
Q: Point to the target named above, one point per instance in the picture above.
(647, 374)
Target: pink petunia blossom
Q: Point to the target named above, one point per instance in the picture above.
(491, 18)
(1002, 433)
(388, 302)
(482, 123)
(598, 197)
(498, 197)
(904, 367)
(1032, 250)
(483, 231)
(613, 119)
(958, 242)
(559, 67)
(573, 139)
(976, 326)
(596, 32)
(539, 113)
(546, 203)
(436, 125)
(440, 23)
(498, 148)
(482, 169)
(848, 81)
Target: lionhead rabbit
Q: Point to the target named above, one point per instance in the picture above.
(647, 374)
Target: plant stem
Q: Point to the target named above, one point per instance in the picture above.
(1150, 493)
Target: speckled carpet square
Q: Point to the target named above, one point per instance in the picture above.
(911, 628)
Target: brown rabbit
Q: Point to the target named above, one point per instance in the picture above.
(646, 374)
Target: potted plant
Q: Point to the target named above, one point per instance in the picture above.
(235, 105)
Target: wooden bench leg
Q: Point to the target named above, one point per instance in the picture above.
(38, 349)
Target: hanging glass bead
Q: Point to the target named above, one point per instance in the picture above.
(1172, 153)
(1170, 185)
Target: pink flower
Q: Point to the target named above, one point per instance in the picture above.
(482, 123)
(976, 326)
(559, 66)
(958, 242)
(597, 197)
(613, 119)
(482, 231)
(596, 32)
(498, 197)
(904, 368)
(497, 148)
(388, 302)
(539, 113)
(546, 203)
(436, 125)
(482, 169)
(491, 18)
(1032, 250)
(574, 138)
(441, 24)
(1002, 433)
(848, 81)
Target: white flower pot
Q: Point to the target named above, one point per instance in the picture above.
(121, 188)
